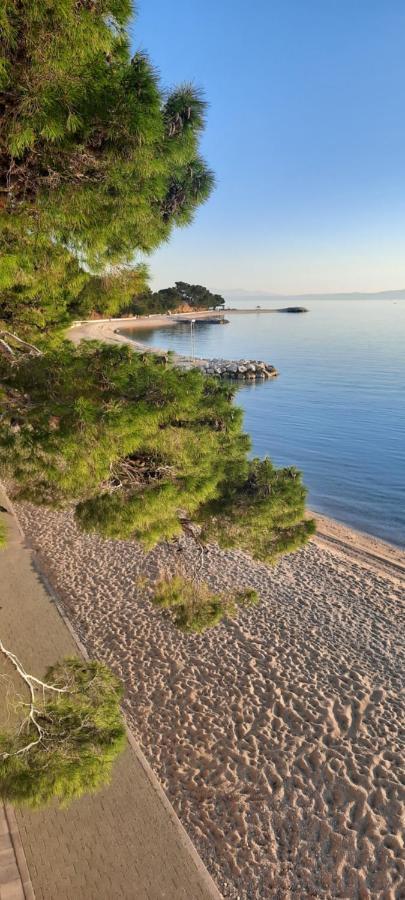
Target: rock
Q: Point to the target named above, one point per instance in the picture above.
(243, 369)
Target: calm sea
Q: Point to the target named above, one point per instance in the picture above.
(337, 410)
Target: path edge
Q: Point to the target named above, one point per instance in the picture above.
(184, 838)
(19, 853)
(15, 533)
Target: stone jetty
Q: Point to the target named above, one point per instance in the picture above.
(242, 369)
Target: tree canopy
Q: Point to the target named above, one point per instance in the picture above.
(97, 162)
(141, 448)
(181, 296)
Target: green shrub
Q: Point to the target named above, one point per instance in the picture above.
(194, 607)
(82, 733)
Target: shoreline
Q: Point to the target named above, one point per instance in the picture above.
(364, 549)
(88, 329)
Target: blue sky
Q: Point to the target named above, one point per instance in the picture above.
(306, 135)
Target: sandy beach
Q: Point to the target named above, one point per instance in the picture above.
(276, 735)
(110, 330)
(107, 329)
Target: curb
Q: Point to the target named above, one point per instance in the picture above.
(15, 535)
(18, 848)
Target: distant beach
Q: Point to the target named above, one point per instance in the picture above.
(114, 329)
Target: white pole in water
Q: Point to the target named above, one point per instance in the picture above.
(192, 335)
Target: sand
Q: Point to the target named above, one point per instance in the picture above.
(110, 331)
(277, 735)
(106, 329)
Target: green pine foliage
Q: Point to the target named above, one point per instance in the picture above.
(39, 283)
(110, 294)
(194, 608)
(141, 447)
(82, 735)
(97, 162)
(43, 285)
(182, 295)
(264, 510)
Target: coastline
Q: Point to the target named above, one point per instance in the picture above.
(362, 548)
(359, 547)
(106, 329)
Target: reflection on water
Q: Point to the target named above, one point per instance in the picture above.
(337, 411)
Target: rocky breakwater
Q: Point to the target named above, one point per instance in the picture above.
(242, 369)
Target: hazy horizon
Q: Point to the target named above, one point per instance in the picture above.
(381, 295)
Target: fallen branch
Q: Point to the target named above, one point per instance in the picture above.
(69, 736)
(8, 350)
(32, 684)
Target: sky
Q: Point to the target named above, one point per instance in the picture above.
(306, 135)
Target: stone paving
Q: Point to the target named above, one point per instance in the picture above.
(124, 843)
(15, 883)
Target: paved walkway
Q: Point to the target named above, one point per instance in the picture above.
(124, 843)
(15, 882)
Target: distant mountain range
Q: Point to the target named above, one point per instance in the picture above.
(355, 295)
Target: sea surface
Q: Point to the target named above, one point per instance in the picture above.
(337, 409)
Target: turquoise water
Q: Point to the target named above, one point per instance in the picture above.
(337, 410)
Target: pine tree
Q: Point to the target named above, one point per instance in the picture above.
(143, 449)
(192, 296)
(97, 163)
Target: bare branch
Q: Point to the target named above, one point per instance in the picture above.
(18, 340)
(6, 349)
(31, 682)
